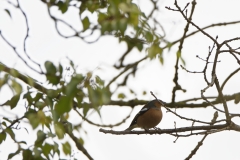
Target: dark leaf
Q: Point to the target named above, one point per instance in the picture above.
(85, 23)
(16, 86)
(13, 101)
(28, 97)
(10, 156)
(99, 81)
(63, 6)
(41, 136)
(121, 95)
(56, 148)
(64, 105)
(33, 119)
(81, 141)
(85, 109)
(10, 133)
(66, 148)
(8, 12)
(38, 96)
(154, 50)
(2, 136)
(59, 129)
(52, 93)
(47, 149)
(50, 68)
(27, 154)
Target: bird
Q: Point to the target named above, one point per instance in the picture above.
(149, 116)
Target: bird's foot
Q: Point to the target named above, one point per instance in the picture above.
(158, 129)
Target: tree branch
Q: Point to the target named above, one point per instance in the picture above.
(167, 131)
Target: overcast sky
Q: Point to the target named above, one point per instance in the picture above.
(45, 44)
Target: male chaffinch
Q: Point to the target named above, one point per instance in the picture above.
(148, 117)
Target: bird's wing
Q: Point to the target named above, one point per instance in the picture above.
(141, 112)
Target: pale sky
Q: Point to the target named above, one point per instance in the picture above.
(45, 44)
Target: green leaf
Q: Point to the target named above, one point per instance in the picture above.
(79, 97)
(8, 12)
(154, 50)
(169, 46)
(48, 122)
(50, 67)
(122, 25)
(33, 119)
(4, 123)
(183, 61)
(56, 148)
(59, 129)
(63, 6)
(14, 72)
(60, 69)
(71, 88)
(85, 109)
(10, 156)
(3, 80)
(66, 148)
(81, 141)
(38, 96)
(49, 102)
(17, 87)
(3, 136)
(131, 91)
(68, 127)
(23, 142)
(139, 46)
(41, 116)
(6, 119)
(99, 81)
(36, 153)
(161, 59)
(94, 96)
(27, 154)
(10, 133)
(64, 105)
(178, 54)
(55, 116)
(121, 96)
(85, 23)
(41, 136)
(144, 93)
(53, 79)
(40, 105)
(148, 36)
(13, 101)
(28, 97)
(52, 93)
(30, 81)
(47, 149)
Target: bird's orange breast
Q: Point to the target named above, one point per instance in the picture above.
(150, 119)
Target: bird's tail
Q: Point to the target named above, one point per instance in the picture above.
(131, 128)
(128, 129)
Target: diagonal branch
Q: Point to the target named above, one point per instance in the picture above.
(78, 144)
(196, 148)
(226, 80)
